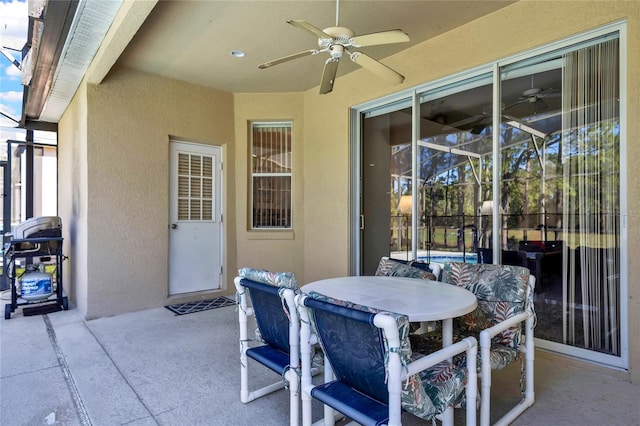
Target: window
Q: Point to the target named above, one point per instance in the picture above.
(271, 173)
(195, 187)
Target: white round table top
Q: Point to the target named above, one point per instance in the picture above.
(419, 299)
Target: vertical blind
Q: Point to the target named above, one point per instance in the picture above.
(591, 197)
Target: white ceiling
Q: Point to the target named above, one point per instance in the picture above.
(192, 40)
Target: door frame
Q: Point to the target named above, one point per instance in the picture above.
(218, 210)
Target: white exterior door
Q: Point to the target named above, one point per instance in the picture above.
(195, 218)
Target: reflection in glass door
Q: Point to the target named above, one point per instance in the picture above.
(454, 170)
(542, 191)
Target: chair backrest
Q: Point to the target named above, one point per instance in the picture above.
(502, 292)
(398, 268)
(358, 351)
(271, 313)
(352, 344)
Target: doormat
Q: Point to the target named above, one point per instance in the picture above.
(200, 305)
(41, 310)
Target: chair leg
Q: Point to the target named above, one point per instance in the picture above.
(244, 375)
(485, 380)
(471, 388)
(294, 396)
(329, 413)
(305, 360)
(529, 395)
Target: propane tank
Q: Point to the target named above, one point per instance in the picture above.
(35, 283)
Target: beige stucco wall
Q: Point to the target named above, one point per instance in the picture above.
(272, 250)
(121, 206)
(131, 117)
(517, 28)
(72, 197)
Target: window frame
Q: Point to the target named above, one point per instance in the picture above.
(251, 222)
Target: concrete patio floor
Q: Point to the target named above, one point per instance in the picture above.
(155, 368)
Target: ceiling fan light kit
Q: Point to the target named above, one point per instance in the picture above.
(336, 41)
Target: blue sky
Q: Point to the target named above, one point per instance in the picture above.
(13, 34)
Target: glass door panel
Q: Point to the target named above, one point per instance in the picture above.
(454, 170)
(427, 188)
(560, 191)
(385, 178)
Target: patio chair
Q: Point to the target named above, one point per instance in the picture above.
(389, 267)
(373, 374)
(505, 302)
(272, 299)
(399, 268)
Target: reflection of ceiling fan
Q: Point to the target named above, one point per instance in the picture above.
(535, 96)
(475, 124)
(336, 40)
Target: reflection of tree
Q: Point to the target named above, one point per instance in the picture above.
(531, 187)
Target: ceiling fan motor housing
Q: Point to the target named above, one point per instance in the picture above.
(340, 35)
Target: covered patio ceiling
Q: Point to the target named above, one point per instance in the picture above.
(192, 41)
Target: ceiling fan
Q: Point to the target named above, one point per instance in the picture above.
(337, 41)
(535, 96)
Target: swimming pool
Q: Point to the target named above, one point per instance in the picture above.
(439, 256)
(443, 257)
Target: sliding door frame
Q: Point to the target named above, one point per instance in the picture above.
(411, 97)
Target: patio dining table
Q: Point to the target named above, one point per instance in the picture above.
(421, 300)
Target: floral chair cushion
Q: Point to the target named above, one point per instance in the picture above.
(391, 268)
(501, 291)
(278, 279)
(425, 394)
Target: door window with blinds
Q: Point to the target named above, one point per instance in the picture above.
(195, 187)
(271, 175)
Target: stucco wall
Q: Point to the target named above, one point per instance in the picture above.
(272, 250)
(72, 198)
(131, 117)
(517, 28)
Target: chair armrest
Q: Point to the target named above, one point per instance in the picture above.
(244, 309)
(487, 334)
(464, 345)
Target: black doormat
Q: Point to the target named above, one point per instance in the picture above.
(200, 305)
(41, 309)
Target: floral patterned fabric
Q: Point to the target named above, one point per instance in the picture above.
(391, 268)
(501, 291)
(278, 279)
(425, 394)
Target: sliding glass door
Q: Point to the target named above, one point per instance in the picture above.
(526, 173)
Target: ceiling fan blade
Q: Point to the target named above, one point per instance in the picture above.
(474, 119)
(541, 104)
(477, 129)
(376, 67)
(288, 58)
(304, 25)
(383, 37)
(329, 75)
(518, 102)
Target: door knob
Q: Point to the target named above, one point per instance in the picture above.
(174, 226)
